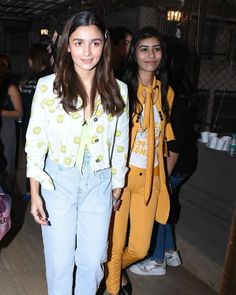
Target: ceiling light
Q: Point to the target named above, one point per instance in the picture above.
(174, 15)
(43, 32)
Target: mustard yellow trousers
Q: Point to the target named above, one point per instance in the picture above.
(124, 249)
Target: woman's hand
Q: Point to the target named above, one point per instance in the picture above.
(37, 210)
(116, 194)
(37, 204)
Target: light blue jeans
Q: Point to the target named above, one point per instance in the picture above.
(163, 235)
(79, 211)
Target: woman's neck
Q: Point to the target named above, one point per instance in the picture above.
(146, 78)
(86, 78)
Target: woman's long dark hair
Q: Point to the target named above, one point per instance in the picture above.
(131, 70)
(68, 84)
(40, 58)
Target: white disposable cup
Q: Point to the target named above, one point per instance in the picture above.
(226, 138)
(212, 134)
(226, 145)
(213, 142)
(227, 141)
(205, 136)
(220, 144)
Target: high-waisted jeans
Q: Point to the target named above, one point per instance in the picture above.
(79, 211)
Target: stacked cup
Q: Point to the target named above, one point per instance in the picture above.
(214, 142)
(227, 141)
(205, 136)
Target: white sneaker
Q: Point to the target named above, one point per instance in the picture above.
(148, 267)
(173, 259)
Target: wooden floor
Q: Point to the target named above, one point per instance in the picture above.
(22, 264)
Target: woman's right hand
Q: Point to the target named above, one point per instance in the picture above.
(37, 209)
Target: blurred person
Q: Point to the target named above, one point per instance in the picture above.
(76, 145)
(182, 163)
(39, 65)
(145, 197)
(120, 43)
(10, 111)
(38, 59)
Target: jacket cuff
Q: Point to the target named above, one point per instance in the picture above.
(42, 177)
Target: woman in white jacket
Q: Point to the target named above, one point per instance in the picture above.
(77, 142)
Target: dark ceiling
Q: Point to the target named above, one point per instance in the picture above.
(29, 10)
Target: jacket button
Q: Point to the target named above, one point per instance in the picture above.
(140, 174)
(95, 119)
(97, 160)
(96, 140)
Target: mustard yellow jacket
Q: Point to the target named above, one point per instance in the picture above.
(166, 134)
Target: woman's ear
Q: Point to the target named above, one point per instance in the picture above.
(68, 48)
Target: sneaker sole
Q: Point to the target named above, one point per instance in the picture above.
(174, 264)
(148, 273)
(175, 260)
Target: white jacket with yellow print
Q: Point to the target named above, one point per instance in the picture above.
(55, 133)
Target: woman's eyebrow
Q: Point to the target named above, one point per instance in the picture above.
(146, 46)
(140, 46)
(80, 39)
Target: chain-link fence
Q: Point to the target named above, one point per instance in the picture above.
(212, 64)
(218, 76)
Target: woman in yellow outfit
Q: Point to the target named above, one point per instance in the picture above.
(145, 197)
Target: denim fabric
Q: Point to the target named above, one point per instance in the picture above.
(177, 180)
(163, 236)
(79, 211)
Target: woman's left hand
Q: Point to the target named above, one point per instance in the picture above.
(116, 194)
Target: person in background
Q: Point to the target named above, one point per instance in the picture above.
(38, 59)
(120, 43)
(145, 196)
(76, 145)
(182, 163)
(10, 111)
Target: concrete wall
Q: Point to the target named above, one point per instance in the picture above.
(207, 202)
